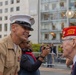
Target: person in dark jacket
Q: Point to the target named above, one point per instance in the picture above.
(29, 64)
(53, 53)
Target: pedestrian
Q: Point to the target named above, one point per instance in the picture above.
(53, 53)
(41, 46)
(10, 52)
(29, 64)
(49, 57)
(69, 45)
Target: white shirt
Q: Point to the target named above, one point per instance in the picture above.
(74, 59)
(15, 47)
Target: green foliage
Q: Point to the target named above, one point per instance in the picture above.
(36, 47)
(60, 49)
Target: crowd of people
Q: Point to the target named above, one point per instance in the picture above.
(16, 53)
(51, 57)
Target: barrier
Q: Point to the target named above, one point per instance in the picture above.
(52, 59)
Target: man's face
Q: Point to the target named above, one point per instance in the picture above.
(67, 46)
(20, 32)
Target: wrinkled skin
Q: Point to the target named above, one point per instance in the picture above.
(19, 33)
(67, 47)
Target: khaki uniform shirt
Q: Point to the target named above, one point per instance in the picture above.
(9, 57)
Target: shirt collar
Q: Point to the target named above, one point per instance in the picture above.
(74, 59)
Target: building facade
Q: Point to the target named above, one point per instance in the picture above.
(49, 16)
(53, 19)
(7, 9)
(33, 11)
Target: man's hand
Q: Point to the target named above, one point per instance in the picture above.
(1, 73)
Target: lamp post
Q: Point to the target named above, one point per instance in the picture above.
(69, 13)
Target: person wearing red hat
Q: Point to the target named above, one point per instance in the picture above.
(69, 45)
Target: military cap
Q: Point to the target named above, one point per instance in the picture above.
(23, 20)
(69, 31)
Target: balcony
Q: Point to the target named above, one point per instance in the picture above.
(50, 41)
(50, 30)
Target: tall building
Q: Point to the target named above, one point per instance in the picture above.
(8, 8)
(49, 16)
(13, 7)
(53, 19)
(33, 11)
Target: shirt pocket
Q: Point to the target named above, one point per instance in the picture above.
(10, 59)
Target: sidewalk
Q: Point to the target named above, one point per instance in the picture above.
(54, 71)
(57, 68)
(58, 65)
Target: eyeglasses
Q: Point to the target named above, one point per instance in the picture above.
(27, 42)
(66, 39)
(26, 28)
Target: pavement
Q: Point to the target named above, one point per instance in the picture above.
(57, 69)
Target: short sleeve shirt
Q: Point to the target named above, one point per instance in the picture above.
(9, 58)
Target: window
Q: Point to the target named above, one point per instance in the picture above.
(0, 27)
(54, 6)
(17, 8)
(6, 17)
(0, 10)
(0, 18)
(61, 4)
(6, 10)
(51, 16)
(12, 1)
(46, 36)
(46, 16)
(18, 1)
(11, 9)
(5, 35)
(6, 2)
(46, 26)
(75, 4)
(0, 36)
(47, 7)
(53, 27)
(63, 14)
(53, 35)
(5, 27)
(62, 25)
(74, 15)
(1, 3)
(60, 35)
(72, 5)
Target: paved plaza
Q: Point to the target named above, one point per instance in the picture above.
(57, 70)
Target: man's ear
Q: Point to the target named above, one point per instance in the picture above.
(74, 43)
(13, 27)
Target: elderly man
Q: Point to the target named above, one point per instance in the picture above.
(10, 52)
(69, 45)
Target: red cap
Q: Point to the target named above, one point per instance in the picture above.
(69, 31)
